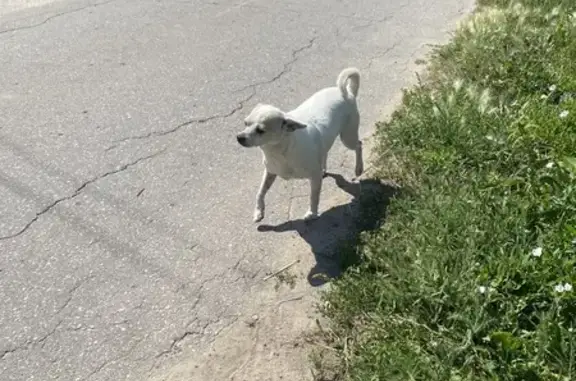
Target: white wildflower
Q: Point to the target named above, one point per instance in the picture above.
(543, 96)
(484, 289)
(483, 101)
(552, 88)
(537, 252)
(566, 287)
(564, 114)
(494, 139)
(458, 84)
(566, 97)
(550, 165)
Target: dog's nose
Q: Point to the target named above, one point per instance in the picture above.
(241, 139)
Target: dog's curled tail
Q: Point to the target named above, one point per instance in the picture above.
(349, 82)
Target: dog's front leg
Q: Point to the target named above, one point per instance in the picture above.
(267, 181)
(315, 188)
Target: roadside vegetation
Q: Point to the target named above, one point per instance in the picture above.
(473, 274)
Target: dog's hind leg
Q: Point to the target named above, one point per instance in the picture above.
(350, 139)
(267, 181)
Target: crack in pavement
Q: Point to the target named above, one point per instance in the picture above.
(177, 340)
(198, 332)
(76, 193)
(42, 340)
(285, 70)
(28, 344)
(412, 58)
(381, 55)
(16, 29)
(187, 331)
(201, 120)
(371, 22)
(116, 359)
(71, 293)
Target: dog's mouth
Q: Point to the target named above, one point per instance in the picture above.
(242, 140)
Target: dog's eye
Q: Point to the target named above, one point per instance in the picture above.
(259, 130)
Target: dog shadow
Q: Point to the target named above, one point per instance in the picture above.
(334, 236)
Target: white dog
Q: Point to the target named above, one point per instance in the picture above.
(296, 143)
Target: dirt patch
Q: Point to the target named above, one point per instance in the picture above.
(267, 341)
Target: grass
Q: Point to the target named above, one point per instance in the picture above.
(473, 276)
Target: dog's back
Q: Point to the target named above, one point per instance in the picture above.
(333, 111)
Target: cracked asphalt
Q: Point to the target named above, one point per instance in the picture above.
(126, 239)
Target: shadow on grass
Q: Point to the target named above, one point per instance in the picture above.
(334, 236)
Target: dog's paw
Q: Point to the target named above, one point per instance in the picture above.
(309, 216)
(258, 215)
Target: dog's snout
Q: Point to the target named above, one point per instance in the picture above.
(241, 139)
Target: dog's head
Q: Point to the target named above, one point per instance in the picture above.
(266, 125)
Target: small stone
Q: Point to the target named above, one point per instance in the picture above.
(252, 321)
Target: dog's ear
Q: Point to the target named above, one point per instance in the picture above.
(292, 124)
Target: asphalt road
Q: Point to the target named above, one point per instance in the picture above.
(125, 201)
